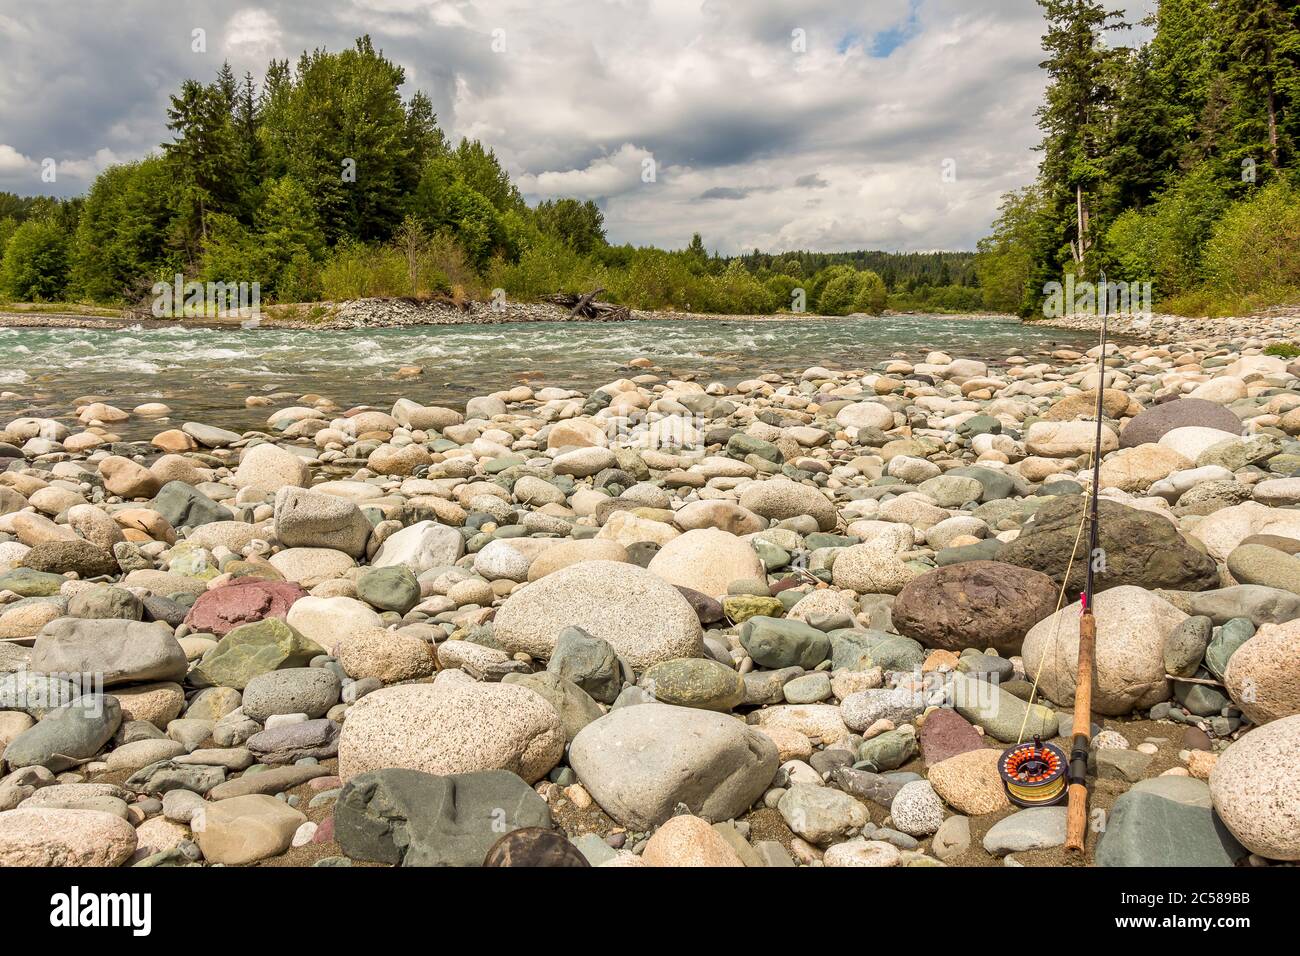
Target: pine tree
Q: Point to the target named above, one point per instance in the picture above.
(203, 150)
(1082, 72)
(1261, 47)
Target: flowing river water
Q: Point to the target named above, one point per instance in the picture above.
(204, 374)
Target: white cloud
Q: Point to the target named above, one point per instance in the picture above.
(734, 117)
(253, 33)
(603, 177)
(13, 162)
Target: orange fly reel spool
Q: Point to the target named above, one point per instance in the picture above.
(1034, 774)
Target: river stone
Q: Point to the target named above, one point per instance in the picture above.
(1184, 648)
(1142, 549)
(184, 506)
(389, 589)
(115, 651)
(589, 662)
(28, 583)
(457, 729)
(266, 468)
(60, 557)
(867, 569)
(312, 519)
(1001, 714)
(1037, 828)
(141, 753)
(50, 836)
(408, 818)
(1172, 825)
(1267, 567)
(822, 814)
(221, 610)
(781, 498)
(888, 751)
(917, 809)
(1263, 676)
(640, 762)
(252, 649)
(779, 642)
(108, 602)
(318, 739)
(644, 618)
(271, 780)
(809, 689)
(685, 840)
(327, 620)
(388, 656)
(945, 734)
(896, 704)
(974, 604)
(1237, 453)
(707, 560)
(421, 547)
(157, 703)
(695, 682)
(1153, 423)
(165, 775)
(1132, 625)
(970, 782)
(66, 735)
(291, 690)
(246, 829)
(1255, 786)
(1224, 644)
(856, 650)
(571, 702)
(1260, 605)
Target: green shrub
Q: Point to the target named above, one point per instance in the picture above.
(1255, 247)
(1286, 350)
(35, 265)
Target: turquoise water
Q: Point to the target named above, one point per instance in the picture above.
(205, 374)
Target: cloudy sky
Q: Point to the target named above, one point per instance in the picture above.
(824, 124)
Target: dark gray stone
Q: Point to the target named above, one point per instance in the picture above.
(410, 818)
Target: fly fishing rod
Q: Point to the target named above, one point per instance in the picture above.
(1077, 812)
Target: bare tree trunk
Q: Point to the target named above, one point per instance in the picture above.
(1080, 247)
(1272, 129)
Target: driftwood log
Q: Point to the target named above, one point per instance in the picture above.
(586, 307)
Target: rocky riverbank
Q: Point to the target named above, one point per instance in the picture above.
(1276, 325)
(663, 623)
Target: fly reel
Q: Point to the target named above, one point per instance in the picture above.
(1034, 774)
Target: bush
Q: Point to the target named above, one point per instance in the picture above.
(356, 270)
(35, 262)
(848, 291)
(1255, 247)
(547, 266)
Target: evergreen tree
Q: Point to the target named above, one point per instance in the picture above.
(1261, 51)
(1082, 72)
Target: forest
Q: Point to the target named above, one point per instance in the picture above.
(1172, 161)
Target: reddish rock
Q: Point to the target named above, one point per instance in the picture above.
(324, 831)
(945, 734)
(975, 604)
(244, 602)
